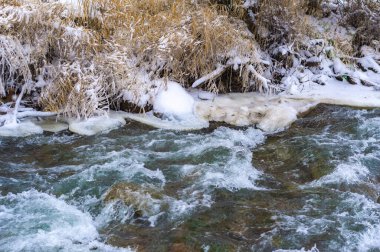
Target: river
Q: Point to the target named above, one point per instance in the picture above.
(313, 187)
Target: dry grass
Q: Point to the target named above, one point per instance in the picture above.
(364, 15)
(109, 51)
(176, 39)
(279, 21)
(112, 50)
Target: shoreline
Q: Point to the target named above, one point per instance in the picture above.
(270, 113)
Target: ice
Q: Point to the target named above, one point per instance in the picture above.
(96, 125)
(176, 106)
(277, 112)
(339, 93)
(51, 125)
(269, 113)
(22, 129)
(202, 95)
(184, 123)
(277, 118)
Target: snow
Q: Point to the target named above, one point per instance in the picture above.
(249, 3)
(174, 100)
(291, 84)
(217, 72)
(203, 95)
(369, 63)
(96, 125)
(198, 94)
(73, 5)
(340, 93)
(192, 111)
(340, 68)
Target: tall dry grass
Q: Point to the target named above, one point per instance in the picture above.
(80, 61)
(280, 21)
(177, 39)
(107, 51)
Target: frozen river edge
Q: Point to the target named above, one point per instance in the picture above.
(194, 110)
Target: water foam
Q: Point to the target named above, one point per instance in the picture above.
(155, 158)
(344, 174)
(35, 221)
(234, 172)
(344, 221)
(369, 240)
(222, 160)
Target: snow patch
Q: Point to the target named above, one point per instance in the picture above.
(174, 100)
(339, 93)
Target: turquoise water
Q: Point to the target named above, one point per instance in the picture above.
(312, 187)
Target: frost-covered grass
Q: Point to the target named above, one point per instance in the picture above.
(79, 58)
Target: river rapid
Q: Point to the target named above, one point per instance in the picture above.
(314, 187)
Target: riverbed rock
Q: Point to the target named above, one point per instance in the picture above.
(145, 201)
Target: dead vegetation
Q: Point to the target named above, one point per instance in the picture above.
(79, 60)
(90, 57)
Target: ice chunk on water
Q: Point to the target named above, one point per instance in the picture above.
(21, 129)
(277, 118)
(185, 122)
(95, 125)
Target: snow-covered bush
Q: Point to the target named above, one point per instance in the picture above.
(81, 57)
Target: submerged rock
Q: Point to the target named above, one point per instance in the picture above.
(145, 202)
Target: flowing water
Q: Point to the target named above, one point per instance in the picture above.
(312, 187)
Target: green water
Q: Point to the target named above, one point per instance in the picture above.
(312, 187)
